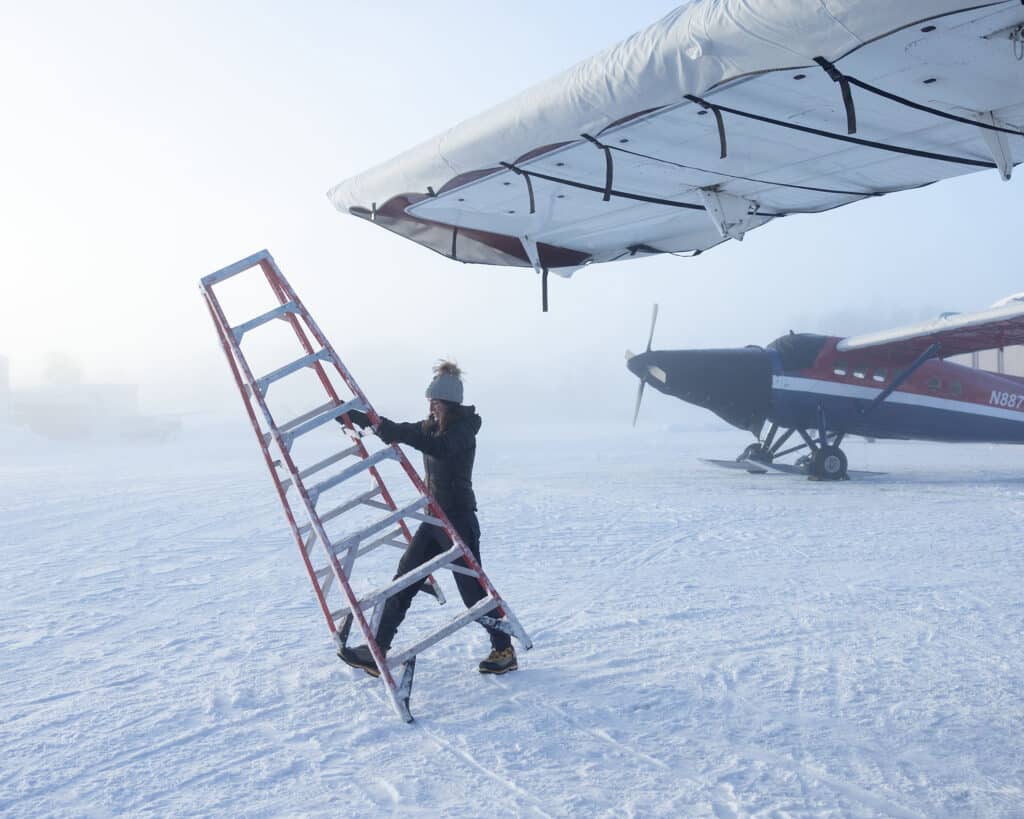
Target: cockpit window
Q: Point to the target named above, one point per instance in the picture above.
(798, 351)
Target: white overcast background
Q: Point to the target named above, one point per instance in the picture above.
(145, 145)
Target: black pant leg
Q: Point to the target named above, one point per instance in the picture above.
(427, 542)
(470, 589)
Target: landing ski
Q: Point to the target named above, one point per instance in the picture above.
(759, 468)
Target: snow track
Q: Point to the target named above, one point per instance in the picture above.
(708, 643)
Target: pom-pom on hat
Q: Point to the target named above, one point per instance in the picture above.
(447, 383)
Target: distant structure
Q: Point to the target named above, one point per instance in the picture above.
(74, 411)
(1008, 360)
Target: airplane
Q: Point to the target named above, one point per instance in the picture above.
(891, 384)
(718, 119)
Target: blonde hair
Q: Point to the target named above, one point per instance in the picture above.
(446, 367)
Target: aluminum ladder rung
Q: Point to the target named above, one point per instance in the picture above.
(299, 419)
(236, 268)
(462, 570)
(406, 580)
(392, 539)
(389, 539)
(345, 507)
(469, 616)
(270, 315)
(326, 462)
(264, 382)
(370, 461)
(294, 429)
(349, 541)
(325, 577)
(428, 518)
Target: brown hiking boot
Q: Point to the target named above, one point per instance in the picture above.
(360, 657)
(499, 662)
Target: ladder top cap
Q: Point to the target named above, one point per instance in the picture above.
(236, 268)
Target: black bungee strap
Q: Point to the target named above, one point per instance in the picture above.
(455, 237)
(917, 106)
(747, 178)
(529, 184)
(868, 143)
(717, 111)
(609, 169)
(636, 197)
(844, 86)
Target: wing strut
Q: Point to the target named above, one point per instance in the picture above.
(931, 352)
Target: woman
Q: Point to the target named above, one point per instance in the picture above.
(447, 439)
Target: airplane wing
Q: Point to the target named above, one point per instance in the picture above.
(956, 333)
(717, 119)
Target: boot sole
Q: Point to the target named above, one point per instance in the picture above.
(498, 670)
(373, 672)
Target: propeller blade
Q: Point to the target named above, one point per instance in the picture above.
(629, 355)
(639, 398)
(654, 318)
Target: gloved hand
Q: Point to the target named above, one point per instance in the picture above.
(387, 431)
(360, 419)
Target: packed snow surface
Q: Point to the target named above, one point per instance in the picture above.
(708, 643)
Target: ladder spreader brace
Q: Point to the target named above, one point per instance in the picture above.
(331, 567)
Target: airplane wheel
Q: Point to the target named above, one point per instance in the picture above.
(829, 464)
(756, 452)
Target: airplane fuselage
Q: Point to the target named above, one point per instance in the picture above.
(940, 401)
(800, 376)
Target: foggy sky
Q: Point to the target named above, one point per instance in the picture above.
(150, 147)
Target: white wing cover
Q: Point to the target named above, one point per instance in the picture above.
(720, 117)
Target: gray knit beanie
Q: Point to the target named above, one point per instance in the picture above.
(447, 383)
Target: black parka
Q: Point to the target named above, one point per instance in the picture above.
(447, 456)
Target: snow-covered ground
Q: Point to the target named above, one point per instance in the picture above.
(707, 642)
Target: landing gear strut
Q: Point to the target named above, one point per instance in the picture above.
(825, 461)
(756, 452)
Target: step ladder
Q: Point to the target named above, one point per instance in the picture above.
(334, 520)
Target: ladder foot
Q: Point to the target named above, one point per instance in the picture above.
(403, 692)
(405, 713)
